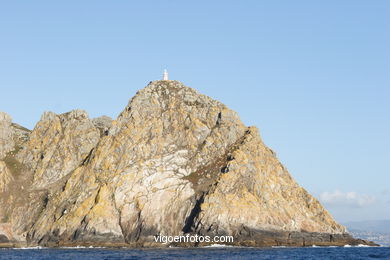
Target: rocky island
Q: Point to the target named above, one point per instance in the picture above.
(173, 162)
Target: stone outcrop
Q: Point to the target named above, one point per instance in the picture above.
(5, 177)
(6, 135)
(102, 123)
(173, 162)
(58, 145)
(12, 138)
(255, 182)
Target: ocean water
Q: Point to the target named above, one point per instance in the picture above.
(199, 253)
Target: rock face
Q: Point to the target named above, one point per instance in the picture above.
(5, 177)
(57, 145)
(103, 123)
(173, 162)
(6, 136)
(12, 138)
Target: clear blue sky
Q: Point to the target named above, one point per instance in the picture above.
(314, 76)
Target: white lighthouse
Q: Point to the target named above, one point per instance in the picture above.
(165, 75)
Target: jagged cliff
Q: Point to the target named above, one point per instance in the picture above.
(173, 162)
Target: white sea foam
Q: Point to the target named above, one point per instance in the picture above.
(81, 247)
(29, 248)
(218, 245)
(74, 247)
(360, 245)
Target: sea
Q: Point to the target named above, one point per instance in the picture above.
(213, 252)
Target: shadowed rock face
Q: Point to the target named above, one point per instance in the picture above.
(173, 162)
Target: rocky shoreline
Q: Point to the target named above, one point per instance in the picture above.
(259, 239)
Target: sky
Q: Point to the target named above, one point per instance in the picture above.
(313, 76)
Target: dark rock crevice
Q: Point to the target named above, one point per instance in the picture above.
(190, 220)
(88, 158)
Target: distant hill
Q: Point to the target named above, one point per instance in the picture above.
(379, 226)
(372, 230)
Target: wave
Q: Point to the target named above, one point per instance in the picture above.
(219, 245)
(63, 247)
(29, 248)
(81, 247)
(360, 245)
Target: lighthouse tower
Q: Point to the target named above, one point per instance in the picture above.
(165, 75)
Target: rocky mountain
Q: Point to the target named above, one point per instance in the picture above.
(173, 162)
